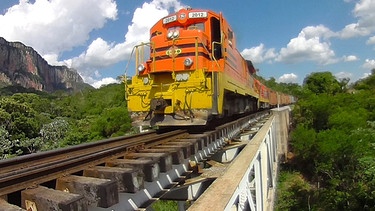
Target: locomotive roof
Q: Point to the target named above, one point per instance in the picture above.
(184, 16)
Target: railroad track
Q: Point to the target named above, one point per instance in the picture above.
(97, 174)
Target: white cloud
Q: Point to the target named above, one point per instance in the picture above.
(104, 81)
(371, 41)
(364, 11)
(369, 64)
(52, 59)
(102, 54)
(258, 54)
(365, 75)
(310, 32)
(309, 47)
(312, 43)
(51, 27)
(342, 75)
(288, 78)
(350, 58)
(353, 30)
(146, 16)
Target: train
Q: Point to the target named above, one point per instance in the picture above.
(190, 73)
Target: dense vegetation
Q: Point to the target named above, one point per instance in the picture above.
(34, 121)
(333, 144)
(332, 164)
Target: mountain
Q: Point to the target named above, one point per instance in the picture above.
(22, 65)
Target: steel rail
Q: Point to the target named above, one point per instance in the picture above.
(22, 172)
(25, 161)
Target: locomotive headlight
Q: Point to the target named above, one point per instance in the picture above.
(176, 33)
(173, 33)
(188, 62)
(145, 80)
(170, 34)
(182, 76)
(141, 67)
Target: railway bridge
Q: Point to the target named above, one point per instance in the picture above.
(130, 173)
(249, 182)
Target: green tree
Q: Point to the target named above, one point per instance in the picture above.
(21, 119)
(112, 122)
(347, 118)
(294, 190)
(78, 132)
(5, 118)
(30, 145)
(6, 145)
(52, 133)
(322, 83)
(367, 83)
(334, 144)
(40, 121)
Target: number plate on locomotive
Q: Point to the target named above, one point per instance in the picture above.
(169, 19)
(197, 14)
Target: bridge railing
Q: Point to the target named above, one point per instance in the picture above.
(249, 183)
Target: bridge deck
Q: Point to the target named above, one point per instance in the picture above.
(250, 180)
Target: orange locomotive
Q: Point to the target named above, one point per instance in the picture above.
(191, 72)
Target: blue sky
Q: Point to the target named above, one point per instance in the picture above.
(286, 39)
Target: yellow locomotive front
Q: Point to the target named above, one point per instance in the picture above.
(173, 84)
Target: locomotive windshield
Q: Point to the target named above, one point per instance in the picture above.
(196, 26)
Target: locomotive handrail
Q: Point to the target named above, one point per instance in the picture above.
(213, 53)
(210, 54)
(135, 48)
(137, 56)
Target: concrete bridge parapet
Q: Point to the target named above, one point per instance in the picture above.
(249, 182)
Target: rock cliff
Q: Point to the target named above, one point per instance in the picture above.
(22, 65)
